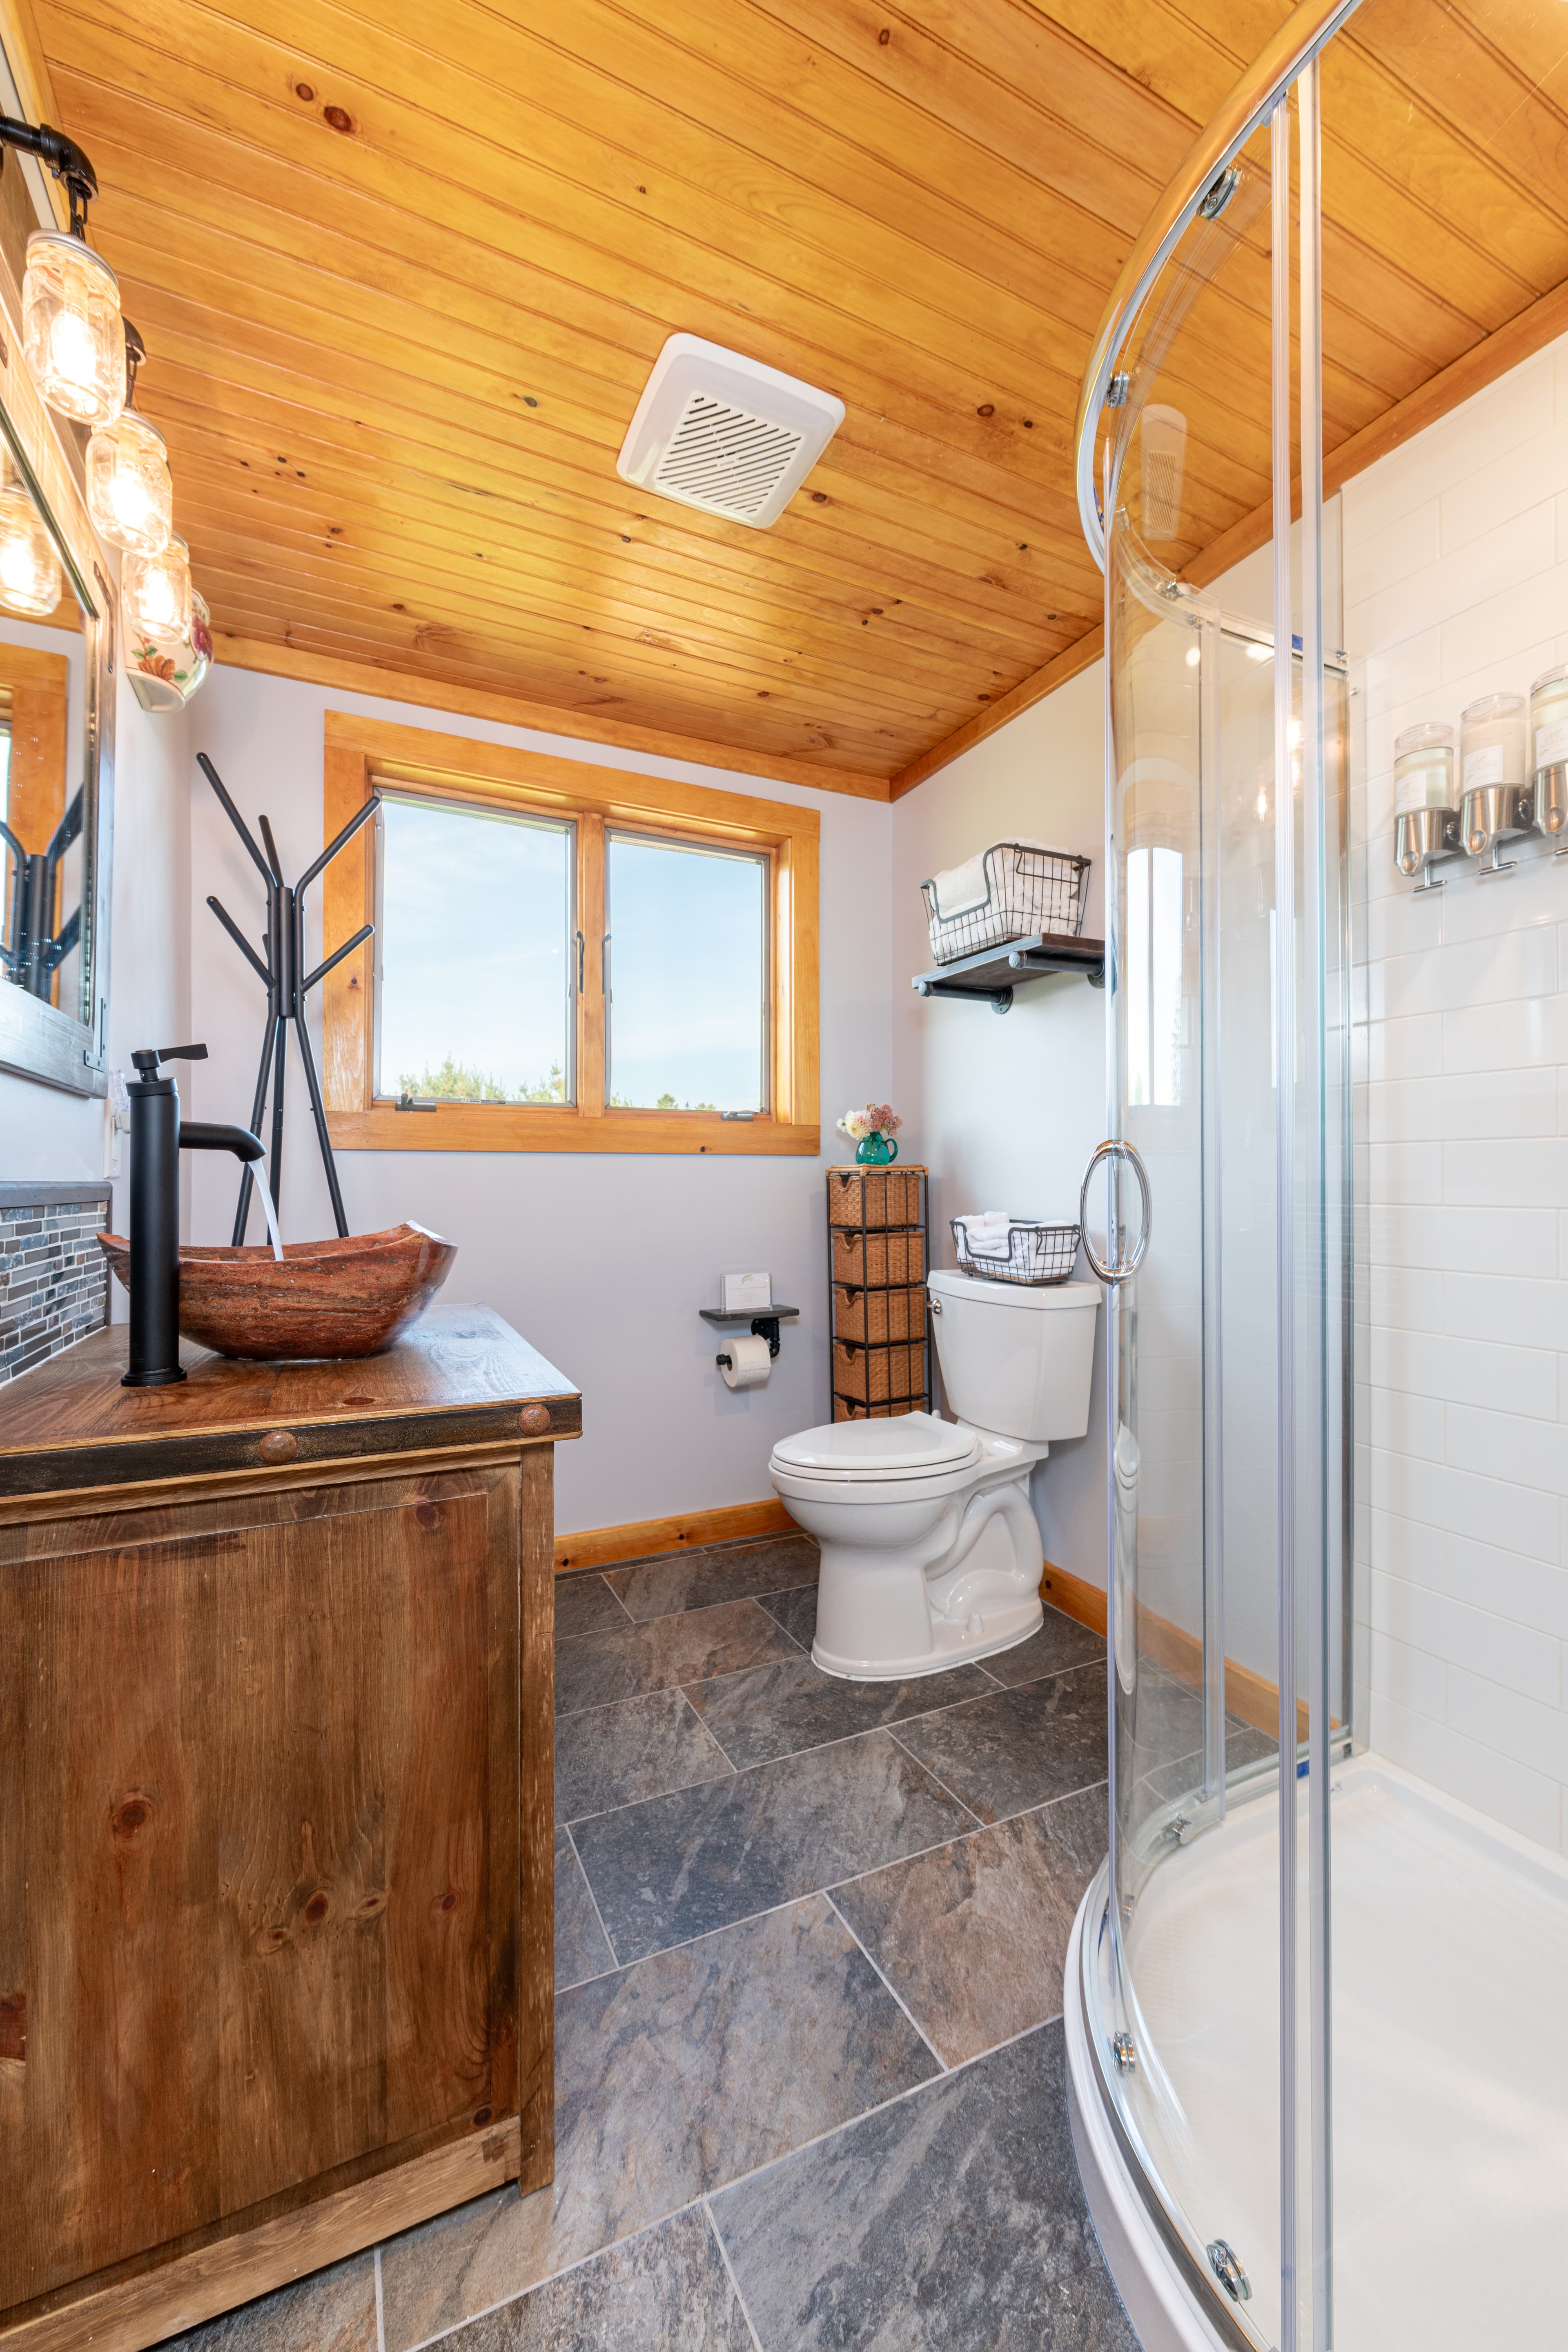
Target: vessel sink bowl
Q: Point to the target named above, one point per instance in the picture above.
(353, 1297)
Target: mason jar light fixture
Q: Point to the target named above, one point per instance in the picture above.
(129, 493)
(30, 579)
(156, 592)
(72, 332)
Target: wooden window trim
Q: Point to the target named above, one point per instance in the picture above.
(454, 767)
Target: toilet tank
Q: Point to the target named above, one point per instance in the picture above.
(1015, 1359)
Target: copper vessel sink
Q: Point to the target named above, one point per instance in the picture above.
(338, 1297)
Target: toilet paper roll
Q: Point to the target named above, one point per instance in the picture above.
(749, 1362)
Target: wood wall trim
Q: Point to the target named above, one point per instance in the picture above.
(601, 1547)
(1472, 371)
(1250, 1695)
(508, 710)
(360, 752)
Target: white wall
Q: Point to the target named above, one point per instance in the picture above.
(1005, 1109)
(601, 1261)
(1455, 584)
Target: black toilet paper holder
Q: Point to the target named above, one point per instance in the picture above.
(763, 1327)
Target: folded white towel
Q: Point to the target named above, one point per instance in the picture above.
(961, 889)
(988, 1233)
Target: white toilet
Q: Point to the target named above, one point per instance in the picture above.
(931, 1553)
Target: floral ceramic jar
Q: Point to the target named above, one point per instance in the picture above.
(164, 680)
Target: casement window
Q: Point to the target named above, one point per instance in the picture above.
(565, 958)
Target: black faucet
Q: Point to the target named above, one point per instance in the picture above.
(157, 1140)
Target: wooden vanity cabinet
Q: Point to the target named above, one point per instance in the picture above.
(275, 1816)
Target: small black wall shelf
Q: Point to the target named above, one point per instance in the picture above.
(993, 974)
(764, 1321)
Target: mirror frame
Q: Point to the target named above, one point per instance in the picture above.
(37, 1040)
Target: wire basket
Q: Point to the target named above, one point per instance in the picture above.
(1036, 1254)
(1027, 891)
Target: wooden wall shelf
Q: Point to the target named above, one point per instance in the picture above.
(993, 974)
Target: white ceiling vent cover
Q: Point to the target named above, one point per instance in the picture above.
(726, 434)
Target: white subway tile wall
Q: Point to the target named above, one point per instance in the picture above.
(1455, 584)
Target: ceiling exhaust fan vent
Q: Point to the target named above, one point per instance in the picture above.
(725, 434)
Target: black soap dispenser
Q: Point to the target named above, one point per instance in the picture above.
(157, 1140)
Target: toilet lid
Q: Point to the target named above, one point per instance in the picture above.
(879, 1449)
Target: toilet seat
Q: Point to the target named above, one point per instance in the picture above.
(878, 1453)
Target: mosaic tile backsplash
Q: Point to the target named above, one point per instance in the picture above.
(54, 1279)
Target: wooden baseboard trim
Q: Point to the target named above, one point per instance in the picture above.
(599, 1547)
(1248, 1695)
(1074, 1596)
(169, 2297)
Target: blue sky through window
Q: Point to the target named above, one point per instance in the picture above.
(473, 933)
(688, 1024)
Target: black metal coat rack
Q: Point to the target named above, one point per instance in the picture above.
(286, 991)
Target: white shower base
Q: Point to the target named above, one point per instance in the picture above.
(1450, 2074)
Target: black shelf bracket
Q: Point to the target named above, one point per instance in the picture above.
(991, 977)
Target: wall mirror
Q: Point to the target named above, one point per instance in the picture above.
(54, 658)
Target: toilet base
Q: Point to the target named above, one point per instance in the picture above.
(1001, 1627)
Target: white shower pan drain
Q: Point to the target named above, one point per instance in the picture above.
(1449, 2076)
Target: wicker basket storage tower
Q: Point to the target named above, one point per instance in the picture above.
(877, 1300)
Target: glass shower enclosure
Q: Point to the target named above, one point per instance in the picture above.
(1303, 2109)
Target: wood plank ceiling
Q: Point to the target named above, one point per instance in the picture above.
(403, 270)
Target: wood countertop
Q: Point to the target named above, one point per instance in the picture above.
(460, 1377)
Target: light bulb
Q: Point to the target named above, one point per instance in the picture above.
(72, 358)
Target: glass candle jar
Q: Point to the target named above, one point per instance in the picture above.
(1491, 741)
(1423, 768)
(157, 593)
(71, 329)
(30, 580)
(129, 493)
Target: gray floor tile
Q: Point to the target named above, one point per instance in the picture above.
(671, 2078)
(795, 1612)
(595, 1668)
(1060, 1641)
(581, 1947)
(584, 1604)
(634, 1747)
(776, 1710)
(952, 2221)
(679, 1866)
(1017, 1748)
(695, 1580)
(331, 2311)
(666, 2290)
(974, 1937)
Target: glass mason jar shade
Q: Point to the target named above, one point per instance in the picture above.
(71, 329)
(30, 580)
(157, 590)
(128, 494)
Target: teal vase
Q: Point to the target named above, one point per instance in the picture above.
(876, 1150)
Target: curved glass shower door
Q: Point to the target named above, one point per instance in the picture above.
(1229, 1083)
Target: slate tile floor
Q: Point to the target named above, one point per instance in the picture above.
(809, 1944)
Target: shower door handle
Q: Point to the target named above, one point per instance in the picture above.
(1119, 1270)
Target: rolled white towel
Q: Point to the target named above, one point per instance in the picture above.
(959, 889)
(988, 1233)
